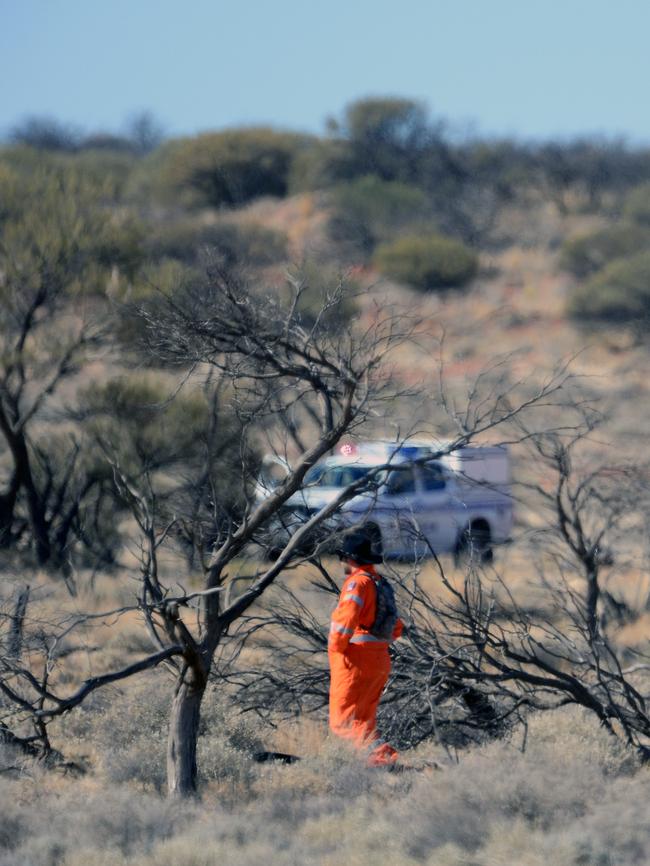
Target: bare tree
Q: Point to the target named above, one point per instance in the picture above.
(278, 369)
(589, 514)
(517, 658)
(297, 384)
(474, 659)
(35, 644)
(471, 663)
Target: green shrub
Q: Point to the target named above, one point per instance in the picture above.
(381, 136)
(618, 293)
(247, 244)
(585, 255)
(369, 210)
(155, 280)
(232, 167)
(427, 262)
(637, 205)
(135, 417)
(103, 173)
(321, 165)
(255, 244)
(149, 183)
(326, 295)
(107, 171)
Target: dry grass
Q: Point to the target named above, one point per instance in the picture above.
(572, 798)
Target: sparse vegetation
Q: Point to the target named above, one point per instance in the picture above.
(571, 797)
(145, 317)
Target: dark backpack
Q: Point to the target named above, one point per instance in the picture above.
(386, 615)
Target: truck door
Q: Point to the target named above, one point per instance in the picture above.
(435, 507)
(396, 515)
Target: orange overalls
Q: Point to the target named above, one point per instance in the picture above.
(359, 666)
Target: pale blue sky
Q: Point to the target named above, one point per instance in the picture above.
(529, 68)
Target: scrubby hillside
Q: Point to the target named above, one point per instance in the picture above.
(169, 313)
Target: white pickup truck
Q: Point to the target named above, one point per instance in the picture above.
(458, 503)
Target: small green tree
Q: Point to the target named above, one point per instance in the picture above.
(102, 174)
(388, 135)
(108, 171)
(427, 262)
(45, 133)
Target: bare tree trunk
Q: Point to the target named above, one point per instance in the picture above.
(183, 734)
(15, 639)
(24, 477)
(37, 520)
(7, 511)
(593, 594)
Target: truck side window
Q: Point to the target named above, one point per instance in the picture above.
(401, 481)
(433, 477)
(272, 475)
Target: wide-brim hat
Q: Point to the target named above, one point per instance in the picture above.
(358, 546)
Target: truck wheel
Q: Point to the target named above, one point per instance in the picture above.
(475, 544)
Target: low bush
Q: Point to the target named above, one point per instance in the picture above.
(427, 262)
(321, 165)
(370, 210)
(620, 293)
(86, 827)
(121, 246)
(586, 254)
(58, 239)
(637, 205)
(104, 174)
(246, 244)
(129, 736)
(146, 429)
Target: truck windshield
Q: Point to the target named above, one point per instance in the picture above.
(335, 476)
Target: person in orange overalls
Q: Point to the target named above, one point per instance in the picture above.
(359, 661)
